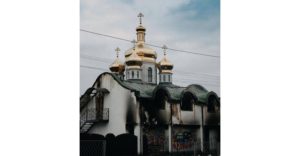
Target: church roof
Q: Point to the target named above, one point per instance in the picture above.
(174, 92)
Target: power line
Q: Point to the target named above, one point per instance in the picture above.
(184, 80)
(108, 61)
(172, 49)
(103, 60)
(90, 67)
(105, 35)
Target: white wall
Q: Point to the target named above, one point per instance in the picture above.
(145, 67)
(188, 117)
(117, 103)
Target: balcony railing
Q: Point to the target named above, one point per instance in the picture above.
(92, 115)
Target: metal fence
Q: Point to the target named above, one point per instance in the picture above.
(92, 147)
(199, 149)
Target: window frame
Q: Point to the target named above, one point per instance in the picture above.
(150, 74)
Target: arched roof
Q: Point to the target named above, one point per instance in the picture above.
(174, 93)
(198, 91)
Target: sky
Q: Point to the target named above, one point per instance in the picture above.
(190, 25)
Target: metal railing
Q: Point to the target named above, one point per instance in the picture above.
(197, 148)
(92, 115)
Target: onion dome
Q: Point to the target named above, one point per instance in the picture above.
(117, 66)
(146, 53)
(165, 66)
(133, 60)
(140, 28)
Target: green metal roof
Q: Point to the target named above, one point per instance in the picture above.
(175, 93)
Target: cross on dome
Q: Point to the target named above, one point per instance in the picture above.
(140, 15)
(164, 47)
(117, 50)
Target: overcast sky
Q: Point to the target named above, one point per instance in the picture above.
(190, 25)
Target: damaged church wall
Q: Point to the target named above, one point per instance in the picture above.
(186, 117)
(117, 103)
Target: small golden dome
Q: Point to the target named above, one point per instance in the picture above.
(140, 28)
(117, 66)
(165, 66)
(134, 59)
(165, 62)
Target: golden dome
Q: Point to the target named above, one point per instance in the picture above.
(133, 60)
(140, 28)
(146, 53)
(165, 66)
(165, 62)
(117, 66)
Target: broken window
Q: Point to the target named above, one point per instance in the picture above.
(187, 102)
(160, 99)
(212, 104)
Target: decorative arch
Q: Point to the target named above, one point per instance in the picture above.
(213, 102)
(160, 95)
(188, 100)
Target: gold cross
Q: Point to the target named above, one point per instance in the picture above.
(140, 15)
(117, 50)
(164, 47)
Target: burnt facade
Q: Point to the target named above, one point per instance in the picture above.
(165, 118)
(155, 117)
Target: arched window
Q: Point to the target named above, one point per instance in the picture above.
(164, 78)
(138, 74)
(149, 74)
(132, 74)
(160, 99)
(187, 102)
(169, 76)
(212, 104)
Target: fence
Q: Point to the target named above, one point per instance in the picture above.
(92, 147)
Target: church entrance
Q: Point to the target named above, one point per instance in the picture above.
(185, 140)
(155, 141)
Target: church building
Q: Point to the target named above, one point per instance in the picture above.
(138, 100)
